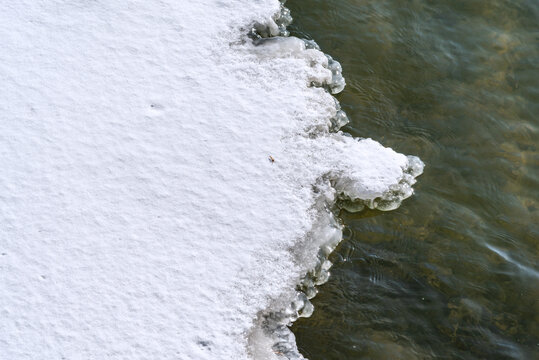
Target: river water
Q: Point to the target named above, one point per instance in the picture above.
(453, 273)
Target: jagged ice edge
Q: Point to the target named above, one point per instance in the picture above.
(327, 230)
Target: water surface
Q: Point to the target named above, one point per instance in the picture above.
(453, 273)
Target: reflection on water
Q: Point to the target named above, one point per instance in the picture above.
(453, 273)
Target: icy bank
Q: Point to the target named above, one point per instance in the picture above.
(140, 216)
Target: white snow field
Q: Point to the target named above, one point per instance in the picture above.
(140, 215)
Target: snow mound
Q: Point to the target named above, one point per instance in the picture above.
(141, 216)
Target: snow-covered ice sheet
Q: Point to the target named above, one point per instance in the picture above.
(140, 217)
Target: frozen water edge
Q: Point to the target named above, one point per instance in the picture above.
(140, 216)
(271, 336)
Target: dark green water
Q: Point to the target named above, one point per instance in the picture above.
(453, 273)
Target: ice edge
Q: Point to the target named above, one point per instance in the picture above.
(270, 336)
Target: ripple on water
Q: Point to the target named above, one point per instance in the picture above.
(452, 274)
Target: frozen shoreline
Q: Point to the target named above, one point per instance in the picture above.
(140, 215)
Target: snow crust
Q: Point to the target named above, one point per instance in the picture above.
(140, 216)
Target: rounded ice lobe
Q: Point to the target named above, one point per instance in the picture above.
(368, 169)
(388, 191)
(415, 166)
(273, 26)
(326, 72)
(337, 83)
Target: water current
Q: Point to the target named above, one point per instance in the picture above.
(453, 273)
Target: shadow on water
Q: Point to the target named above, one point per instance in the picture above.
(453, 273)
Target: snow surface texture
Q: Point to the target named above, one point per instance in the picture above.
(140, 217)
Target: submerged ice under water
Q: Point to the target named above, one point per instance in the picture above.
(342, 189)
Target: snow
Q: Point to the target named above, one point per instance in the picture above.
(140, 216)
